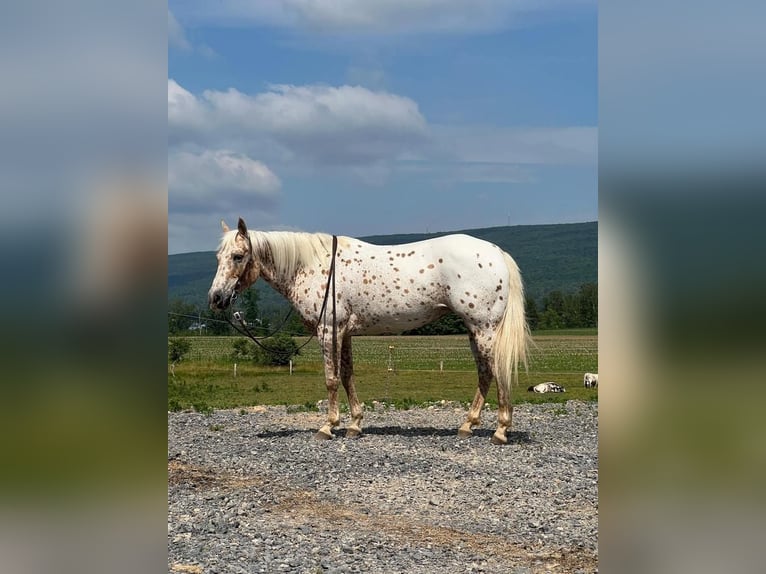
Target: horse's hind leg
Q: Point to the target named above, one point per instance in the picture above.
(484, 368)
(504, 413)
(347, 378)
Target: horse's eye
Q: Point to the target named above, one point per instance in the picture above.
(237, 258)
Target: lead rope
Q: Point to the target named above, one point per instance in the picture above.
(331, 277)
(334, 318)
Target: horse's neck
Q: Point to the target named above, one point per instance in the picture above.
(268, 273)
(281, 285)
(285, 284)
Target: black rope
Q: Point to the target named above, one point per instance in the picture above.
(334, 317)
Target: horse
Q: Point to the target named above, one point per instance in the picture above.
(590, 380)
(386, 289)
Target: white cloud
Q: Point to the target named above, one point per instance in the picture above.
(185, 112)
(373, 16)
(219, 177)
(310, 110)
(322, 124)
(351, 132)
(176, 36)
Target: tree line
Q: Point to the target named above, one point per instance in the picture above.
(556, 310)
(565, 310)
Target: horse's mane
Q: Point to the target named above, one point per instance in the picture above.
(286, 251)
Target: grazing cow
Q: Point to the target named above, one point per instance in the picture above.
(590, 380)
(547, 388)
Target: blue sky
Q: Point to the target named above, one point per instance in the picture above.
(374, 117)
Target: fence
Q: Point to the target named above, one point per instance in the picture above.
(550, 353)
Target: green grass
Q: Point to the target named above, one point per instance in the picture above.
(205, 379)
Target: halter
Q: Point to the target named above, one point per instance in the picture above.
(257, 340)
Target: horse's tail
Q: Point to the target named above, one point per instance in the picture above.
(512, 333)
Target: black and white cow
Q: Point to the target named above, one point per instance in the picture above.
(547, 388)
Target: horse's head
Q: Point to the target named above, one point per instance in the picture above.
(237, 267)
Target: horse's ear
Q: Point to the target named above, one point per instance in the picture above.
(224, 226)
(241, 227)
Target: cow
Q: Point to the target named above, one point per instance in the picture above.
(590, 380)
(547, 388)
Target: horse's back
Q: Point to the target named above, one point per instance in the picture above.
(399, 287)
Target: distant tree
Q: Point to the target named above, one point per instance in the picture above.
(275, 351)
(588, 302)
(550, 319)
(181, 315)
(570, 310)
(250, 301)
(178, 347)
(216, 323)
(242, 350)
(295, 326)
(533, 316)
(449, 324)
(279, 350)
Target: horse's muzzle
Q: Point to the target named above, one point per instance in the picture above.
(217, 301)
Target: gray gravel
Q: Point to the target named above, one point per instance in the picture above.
(254, 492)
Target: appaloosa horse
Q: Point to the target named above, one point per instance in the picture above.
(342, 287)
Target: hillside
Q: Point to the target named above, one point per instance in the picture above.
(551, 257)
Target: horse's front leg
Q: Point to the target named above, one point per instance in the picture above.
(331, 375)
(347, 378)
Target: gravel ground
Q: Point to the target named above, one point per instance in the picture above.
(254, 492)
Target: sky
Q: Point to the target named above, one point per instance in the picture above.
(374, 117)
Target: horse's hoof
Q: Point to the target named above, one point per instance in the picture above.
(462, 433)
(497, 439)
(322, 436)
(353, 432)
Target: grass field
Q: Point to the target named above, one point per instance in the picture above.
(425, 369)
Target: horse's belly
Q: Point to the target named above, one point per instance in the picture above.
(397, 320)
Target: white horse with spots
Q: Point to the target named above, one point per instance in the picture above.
(387, 289)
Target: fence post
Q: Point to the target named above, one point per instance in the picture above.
(235, 369)
(291, 366)
(441, 366)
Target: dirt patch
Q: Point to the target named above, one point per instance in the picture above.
(201, 478)
(304, 508)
